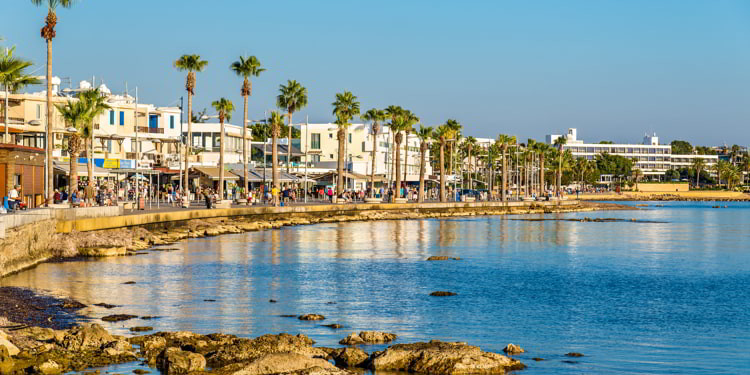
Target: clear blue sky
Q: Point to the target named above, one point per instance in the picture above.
(614, 69)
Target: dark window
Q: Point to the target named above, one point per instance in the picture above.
(111, 117)
(171, 122)
(122, 118)
(315, 141)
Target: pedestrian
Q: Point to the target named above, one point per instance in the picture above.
(207, 198)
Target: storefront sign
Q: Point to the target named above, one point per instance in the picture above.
(110, 163)
(127, 164)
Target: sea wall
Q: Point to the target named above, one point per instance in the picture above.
(36, 236)
(663, 188)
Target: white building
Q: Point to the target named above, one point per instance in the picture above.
(207, 142)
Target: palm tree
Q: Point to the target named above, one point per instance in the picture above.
(390, 112)
(492, 153)
(95, 104)
(529, 161)
(48, 33)
(455, 130)
(275, 122)
(505, 141)
(637, 174)
(224, 108)
(442, 134)
(345, 108)
(191, 64)
(246, 67)
(14, 78)
(75, 115)
(410, 120)
(560, 144)
(376, 116)
(470, 143)
(292, 97)
(699, 164)
(425, 135)
(542, 149)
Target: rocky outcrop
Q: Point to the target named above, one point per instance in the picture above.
(349, 357)
(312, 317)
(9, 347)
(368, 337)
(442, 294)
(440, 257)
(86, 337)
(244, 350)
(106, 251)
(442, 358)
(513, 349)
(282, 363)
(175, 361)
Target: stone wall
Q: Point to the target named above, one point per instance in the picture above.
(26, 245)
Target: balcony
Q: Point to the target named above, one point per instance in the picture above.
(146, 129)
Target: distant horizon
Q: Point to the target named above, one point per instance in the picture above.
(612, 70)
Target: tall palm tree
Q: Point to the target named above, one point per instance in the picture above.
(390, 112)
(224, 108)
(246, 67)
(542, 150)
(442, 134)
(95, 104)
(375, 116)
(191, 64)
(345, 108)
(13, 77)
(410, 120)
(455, 129)
(493, 152)
(425, 135)
(505, 141)
(75, 115)
(637, 174)
(275, 122)
(292, 97)
(560, 144)
(470, 143)
(699, 164)
(48, 33)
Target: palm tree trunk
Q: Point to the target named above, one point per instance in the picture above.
(244, 148)
(397, 160)
(90, 156)
(542, 188)
(697, 177)
(342, 157)
(406, 156)
(442, 172)
(274, 159)
(505, 175)
(188, 151)
(73, 181)
(50, 140)
(372, 171)
(471, 180)
(221, 160)
(450, 160)
(289, 145)
(420, 196)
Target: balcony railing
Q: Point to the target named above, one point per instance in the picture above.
(13, 120)
(146, 129)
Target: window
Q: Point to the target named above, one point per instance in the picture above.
(331, 156)
(38, 111)
(122, 118)
(315, 141)
(330, 135)
(315, 158)
(109, 145)
(171, 122)
(111, 117)
(350, 137)
(197, 140)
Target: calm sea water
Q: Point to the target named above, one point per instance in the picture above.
(654, 298)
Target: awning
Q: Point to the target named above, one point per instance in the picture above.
(213, 173)
(254, 175)
(83, 170)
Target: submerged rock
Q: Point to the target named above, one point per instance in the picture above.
(440, 257)
(105, 305)
(513, 349)
(312, 317)
(442, 358)
(349, 357)
(368, 337)
(177, 361)
(442, 294)
(141, 329)
(573, 354)
(245, 350)
(333, 326)
(118, 317)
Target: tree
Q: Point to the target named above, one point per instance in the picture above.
(191, 64)
(292, 97)
(699, 164)
(95, 104)
(410, 120)
(345, 107)
(48, 33)
(246, 67)
(199, 117)
(454, 134)
(542, 149)
(391, 112)
(505, 141)
(425, 135)
(224, 108)
(275, 122)
(560, 144)
(470, 143)
(13, 76)
(375, 116)
(637, 174)
(681, 147)
(75, 116)
(442, 134)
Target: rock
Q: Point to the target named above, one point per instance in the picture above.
(71, 304)
(245, 350)
(573, 354)
(6, 362)
(141, 329)
(86, 337)
(5, 343)
(311, 317)
(349, 357)
(48, 367)
(272, 301)
(118, 317)
(105, 305)
(538, 359)
(149, 317)
(436, 257)
(102, 251)
(282, 363)
(513, 349)
(368, 337)
(333, 326)
(209, 300)
(442, 358)
(129, 283)
(442, 294)
(288, 316)
(141, 371)
(153, 343)
(176, 361)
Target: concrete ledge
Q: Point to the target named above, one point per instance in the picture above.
(93, 224)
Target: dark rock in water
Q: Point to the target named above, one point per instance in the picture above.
(105, 305)
(209, 300)
(573, 354)
(128, 283)
(569, 361)
(272, 301)
(330, 303)
(141, 329)
(368, 337)
(288, 316)
(333, 326)
(312, 317)
(538, 359)
(148, 317)
(177, 361)
(436, 257)
(70, 304)
(442, 294)
(118, 317)
(513, 349)
(349, 357)
(141, 371)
